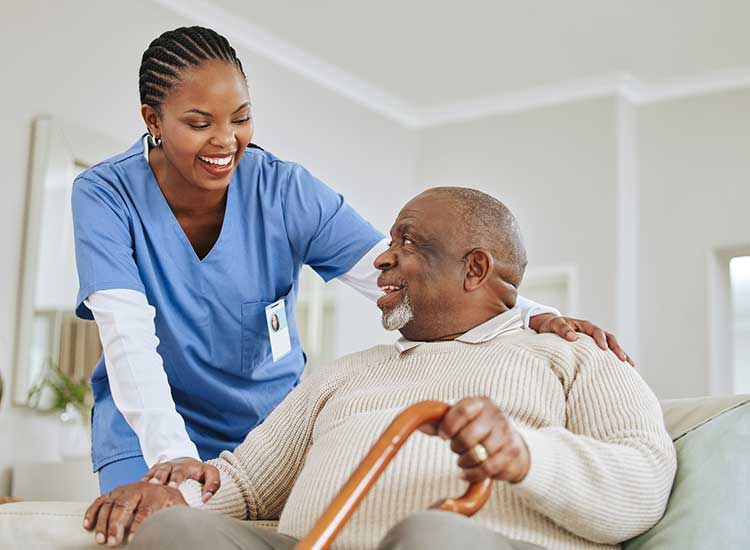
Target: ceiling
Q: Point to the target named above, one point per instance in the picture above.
(432, 52)
(421, 55)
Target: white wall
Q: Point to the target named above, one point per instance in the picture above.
(639, 199)
(555, 168)
(695, 198)
(79, 60)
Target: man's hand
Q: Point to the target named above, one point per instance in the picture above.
(476, 426)
(176, 471)
(566, 327)
(110, 514)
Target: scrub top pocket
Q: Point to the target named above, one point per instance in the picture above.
(256, 346)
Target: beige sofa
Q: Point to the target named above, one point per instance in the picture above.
(708, 508)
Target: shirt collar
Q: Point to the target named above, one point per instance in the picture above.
(509, 321)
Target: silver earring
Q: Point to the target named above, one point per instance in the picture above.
(155, 141)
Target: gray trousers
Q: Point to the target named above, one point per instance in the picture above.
(190, 529)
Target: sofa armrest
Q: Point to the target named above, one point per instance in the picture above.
(49, 525)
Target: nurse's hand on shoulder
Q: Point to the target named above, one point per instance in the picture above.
(566, 327)
(110, 514)
(176, 471)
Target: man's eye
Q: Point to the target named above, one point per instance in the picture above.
(407, 240)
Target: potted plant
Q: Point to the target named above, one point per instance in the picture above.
(57, 393)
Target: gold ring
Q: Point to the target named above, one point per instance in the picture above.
(481, 452)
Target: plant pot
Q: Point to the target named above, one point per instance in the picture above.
(75, 439)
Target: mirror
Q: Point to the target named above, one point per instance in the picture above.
(47, 330)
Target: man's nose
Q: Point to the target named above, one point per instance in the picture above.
(385, 260)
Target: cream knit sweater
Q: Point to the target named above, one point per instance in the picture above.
(602, 463)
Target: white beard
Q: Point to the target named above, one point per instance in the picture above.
(401, 314)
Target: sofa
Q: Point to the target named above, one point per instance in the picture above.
(709, 508)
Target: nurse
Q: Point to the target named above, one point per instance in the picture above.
(189, 247)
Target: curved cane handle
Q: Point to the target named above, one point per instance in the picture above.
(369, 470)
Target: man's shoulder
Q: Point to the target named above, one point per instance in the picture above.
(554, 350)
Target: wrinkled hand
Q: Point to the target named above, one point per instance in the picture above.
(566, 327)
(479, 420)
(111, 514)
(176, 471)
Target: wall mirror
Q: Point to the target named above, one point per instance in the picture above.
(47, 330)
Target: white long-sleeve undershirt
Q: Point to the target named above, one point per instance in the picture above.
(135, 369)
(137, 379)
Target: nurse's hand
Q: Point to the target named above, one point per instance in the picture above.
(566, 327)
(176, 471)
(110, 514)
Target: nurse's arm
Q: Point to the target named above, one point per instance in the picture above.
(257, 477)
(135, 370)
(363, 277)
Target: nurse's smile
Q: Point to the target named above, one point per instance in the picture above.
(218, 166)
(205, 124)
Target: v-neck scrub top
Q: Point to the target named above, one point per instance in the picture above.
(210, 313)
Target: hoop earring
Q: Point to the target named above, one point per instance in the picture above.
(154, 141)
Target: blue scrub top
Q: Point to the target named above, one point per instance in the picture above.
(210, 313)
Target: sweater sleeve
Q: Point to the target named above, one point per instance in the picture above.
(257, 477)
(607, 477)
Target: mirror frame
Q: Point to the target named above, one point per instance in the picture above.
(57, 147)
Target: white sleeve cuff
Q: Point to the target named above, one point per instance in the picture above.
(363, 277)
(529, 309)
(191, 492)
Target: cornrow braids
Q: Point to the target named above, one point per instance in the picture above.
(172, 52)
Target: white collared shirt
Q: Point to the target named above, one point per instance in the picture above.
(507, 322)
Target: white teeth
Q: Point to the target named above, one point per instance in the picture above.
(217, 161)
(389, 288)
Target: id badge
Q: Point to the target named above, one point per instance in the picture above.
(278, 330)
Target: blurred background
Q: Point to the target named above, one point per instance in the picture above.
(617, 132)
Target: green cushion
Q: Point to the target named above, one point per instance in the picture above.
(710, 501)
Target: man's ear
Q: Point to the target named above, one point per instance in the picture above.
(152, 119)
(479, 264)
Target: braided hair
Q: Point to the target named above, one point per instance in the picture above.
(169, 54)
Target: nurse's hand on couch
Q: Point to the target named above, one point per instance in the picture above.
(176, 471)
(110, 514)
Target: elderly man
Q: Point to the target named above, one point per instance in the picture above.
(574, 437)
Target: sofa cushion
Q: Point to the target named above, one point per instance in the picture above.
(44, 525)
(711, 494)
(52, 526)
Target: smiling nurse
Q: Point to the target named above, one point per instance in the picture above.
(185, 244)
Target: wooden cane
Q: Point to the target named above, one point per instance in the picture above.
(367, 473)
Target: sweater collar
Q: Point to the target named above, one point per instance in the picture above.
(505, 323)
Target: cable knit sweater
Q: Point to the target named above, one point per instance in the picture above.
(602, 463)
